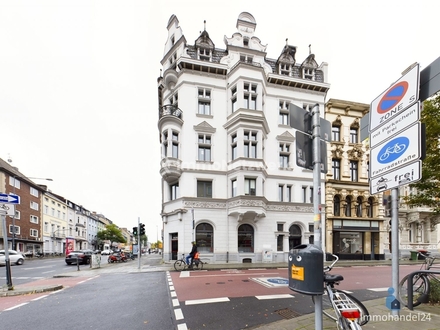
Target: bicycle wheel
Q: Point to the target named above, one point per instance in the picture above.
(327, 307)
(420, 289)
(179, 265)
(198, 264)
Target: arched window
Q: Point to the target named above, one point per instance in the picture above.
(245, 238)
(359, 202)
(205, 237)
(348, 206)
(337, 205)
(370, 212)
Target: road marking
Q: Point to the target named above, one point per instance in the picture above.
(50, 271)
(274, 296)
(178, 314)
(379, 289)
(14, 307)
(175, 302)
(206, 301)
(40, 297)
(182, 326)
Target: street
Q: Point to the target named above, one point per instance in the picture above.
(119, 296)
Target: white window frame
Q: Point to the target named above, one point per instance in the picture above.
(34, 192)
(284, 114)
(34, 206)
(34, 219)
(250, 95)
(33, 232)
(250, 186)
(204, 145)
(17, 229)
(204, 54)
(250, 144)
(309, 73)
(204, 102)
(14, 182)
(285, 154)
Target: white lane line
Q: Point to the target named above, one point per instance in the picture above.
(50, 271)
(206, 301)
(14, 307)
(178, 314)
(379, 289)
(182, 326)
(40, 297)
(274, 296)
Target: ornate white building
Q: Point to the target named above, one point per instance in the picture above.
(229, 170)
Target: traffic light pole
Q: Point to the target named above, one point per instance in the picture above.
(316, 135)
(139, 242)
(7, 260)
(395, 244)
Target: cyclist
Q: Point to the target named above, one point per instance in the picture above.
(191, 254)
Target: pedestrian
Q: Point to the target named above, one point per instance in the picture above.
(191, 254)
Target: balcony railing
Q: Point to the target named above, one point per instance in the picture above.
(170, 110)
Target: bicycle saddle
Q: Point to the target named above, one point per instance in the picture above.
(332, 278)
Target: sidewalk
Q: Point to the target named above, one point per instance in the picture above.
(424, 317)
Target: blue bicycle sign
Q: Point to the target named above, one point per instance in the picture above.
(393, 150)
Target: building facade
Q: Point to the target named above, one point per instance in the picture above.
(23, 225)
(355, 226)
(230, 179)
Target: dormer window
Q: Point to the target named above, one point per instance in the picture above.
(285, 69)
(245, 42)
(204, 54)
(246, 59)
(309, 73)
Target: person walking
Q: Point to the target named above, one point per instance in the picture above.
(191, 254)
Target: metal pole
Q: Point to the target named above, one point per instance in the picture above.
(7, 260)
(395, 243)
(139, 243)
(316, 135)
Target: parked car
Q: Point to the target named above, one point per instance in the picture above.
(15, 258)
(107, 252)
(80, 256)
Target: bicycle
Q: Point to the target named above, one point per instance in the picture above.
(421, 283)
(348, 312)
(181, 264)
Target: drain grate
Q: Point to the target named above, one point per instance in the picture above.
(287, 313)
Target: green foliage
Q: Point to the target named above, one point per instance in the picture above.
(428, 188)
(434, 291)
(111, 233)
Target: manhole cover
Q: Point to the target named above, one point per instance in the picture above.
(287, 313)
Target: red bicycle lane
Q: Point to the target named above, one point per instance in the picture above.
(193, 285)
(13, 301)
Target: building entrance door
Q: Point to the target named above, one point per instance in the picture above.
(174, 245)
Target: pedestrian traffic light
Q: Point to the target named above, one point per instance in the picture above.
(135, 231)
(142, 229)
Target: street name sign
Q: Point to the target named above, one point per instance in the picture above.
(400, 150)
(404, 175)
(399, 96)
(9, 199)
(396, 124)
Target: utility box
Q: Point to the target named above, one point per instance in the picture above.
(306, 269)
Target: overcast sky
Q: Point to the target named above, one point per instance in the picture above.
(78, 80)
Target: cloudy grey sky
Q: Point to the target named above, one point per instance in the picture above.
(78, 92)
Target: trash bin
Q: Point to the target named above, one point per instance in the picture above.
(414, 255)
(306, 269)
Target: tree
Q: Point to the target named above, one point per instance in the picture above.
(427, 192)
(111, 233)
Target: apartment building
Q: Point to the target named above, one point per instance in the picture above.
(230, 179)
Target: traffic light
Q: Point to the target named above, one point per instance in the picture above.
(135, 231)
(142, 229)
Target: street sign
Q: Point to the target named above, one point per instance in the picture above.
(301, 120)
(7, 209)
(9, 199)
(399, 96)
(396, 124)
(304, 152)
(404, 175)
(402, 149)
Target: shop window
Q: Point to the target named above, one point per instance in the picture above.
(205, 238)
(245, 238)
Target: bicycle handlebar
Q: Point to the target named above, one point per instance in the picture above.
(329, 268)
